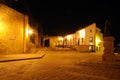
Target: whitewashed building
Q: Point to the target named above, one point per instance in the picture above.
(87, 39)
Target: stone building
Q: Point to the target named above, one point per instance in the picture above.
(87, 39)
(14, 31)
(90, 38)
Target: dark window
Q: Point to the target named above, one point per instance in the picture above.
(90, 30)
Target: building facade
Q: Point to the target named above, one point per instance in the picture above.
(88, 39)
(14, 31)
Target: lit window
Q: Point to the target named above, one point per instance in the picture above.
(69, 37)
(60, 38)
(91, 39)
(82, 33)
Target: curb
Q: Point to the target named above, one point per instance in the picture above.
(10, 60)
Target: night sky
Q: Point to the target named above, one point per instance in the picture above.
(63, 17)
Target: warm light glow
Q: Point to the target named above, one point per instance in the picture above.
(26, 32)
(29, 31)
(1, 27)
(60, 38)
(69, 37)
(97, 41)
(82, 33)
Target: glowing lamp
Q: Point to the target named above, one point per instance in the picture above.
(30, 31)
(97, 41)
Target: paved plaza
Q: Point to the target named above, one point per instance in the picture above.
(60, 65)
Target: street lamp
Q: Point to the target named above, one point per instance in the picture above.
(29, 31)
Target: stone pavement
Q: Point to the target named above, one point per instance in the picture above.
(21, 56)
(71, 65)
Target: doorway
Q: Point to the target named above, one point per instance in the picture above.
(47, 43)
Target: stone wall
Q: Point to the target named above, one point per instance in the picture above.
(11, 30)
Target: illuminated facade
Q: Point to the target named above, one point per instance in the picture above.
(14, 31)
(86, 39)
(89, 38)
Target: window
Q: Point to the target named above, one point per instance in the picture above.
(91, 39)
(90, 30)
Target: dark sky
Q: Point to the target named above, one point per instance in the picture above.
(63, 17)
